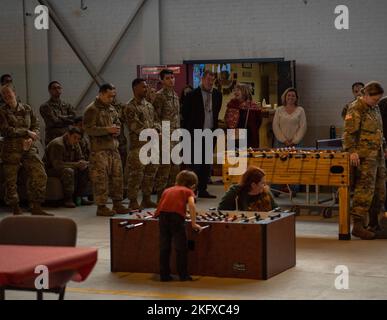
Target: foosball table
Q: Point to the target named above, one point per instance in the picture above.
(235, 244)
(294, 166)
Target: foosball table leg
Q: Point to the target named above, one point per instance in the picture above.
(344, 217)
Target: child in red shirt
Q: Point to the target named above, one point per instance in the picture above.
(171, 211)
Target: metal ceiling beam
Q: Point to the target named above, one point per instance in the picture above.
(72, 43)
(115, 45)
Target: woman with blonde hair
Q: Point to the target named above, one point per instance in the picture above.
(242, 112)
(363, 139)
(289, 123)
(289, 127)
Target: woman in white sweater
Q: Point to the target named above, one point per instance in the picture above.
(289, 124)
(289, 127)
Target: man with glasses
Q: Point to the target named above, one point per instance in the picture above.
(200, 111)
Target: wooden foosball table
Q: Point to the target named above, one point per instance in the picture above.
(293, 166)
(232, 244)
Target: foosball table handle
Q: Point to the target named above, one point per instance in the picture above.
(133, 226)
(207, 226)
(274, 216)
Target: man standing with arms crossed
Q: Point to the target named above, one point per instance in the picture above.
(57, 114)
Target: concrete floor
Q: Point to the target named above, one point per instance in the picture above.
(318, 253)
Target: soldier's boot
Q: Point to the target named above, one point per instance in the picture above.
(133, 204)
(147, 202)
(119, 208)
(16, 210)
(359, 231)
(104, 211)
(36, 210)
(68, 202)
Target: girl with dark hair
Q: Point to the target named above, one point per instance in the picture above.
(251, 194)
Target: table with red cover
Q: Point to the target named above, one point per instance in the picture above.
(18, 263)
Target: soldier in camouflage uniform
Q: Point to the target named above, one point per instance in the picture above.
(57, 114)
(139, 115)
(103, 126)
(122, 141)
(64, 159)
(363, 139)
(84, 143)
(5, 79)
(20, 129)
(167, 107)
(356, 91)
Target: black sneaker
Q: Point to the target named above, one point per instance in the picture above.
(186, 278)
(205, 194)
(166, 278)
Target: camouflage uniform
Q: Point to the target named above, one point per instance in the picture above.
(61, 160)
(84, 144)
(122, 141)
(167, 107)
(345, 109)
(2, 102)
(14, 126)
(57, 116)
(105, 163)
(139, 115)
(363, 134)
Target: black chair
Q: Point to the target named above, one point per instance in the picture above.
(39, 231)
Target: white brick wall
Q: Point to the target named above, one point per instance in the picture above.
(328, 60)
(12, 43)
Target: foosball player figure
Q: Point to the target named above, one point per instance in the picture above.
(171, 212)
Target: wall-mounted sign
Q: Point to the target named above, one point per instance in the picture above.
(145, 70)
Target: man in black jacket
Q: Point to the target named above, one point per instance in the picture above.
(200, 111)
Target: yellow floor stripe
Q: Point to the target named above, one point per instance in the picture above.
(143, 294)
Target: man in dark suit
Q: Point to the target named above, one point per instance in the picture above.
(200, 111)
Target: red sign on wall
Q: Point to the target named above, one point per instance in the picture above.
(156, 70)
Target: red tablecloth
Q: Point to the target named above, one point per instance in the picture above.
(17, 263)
